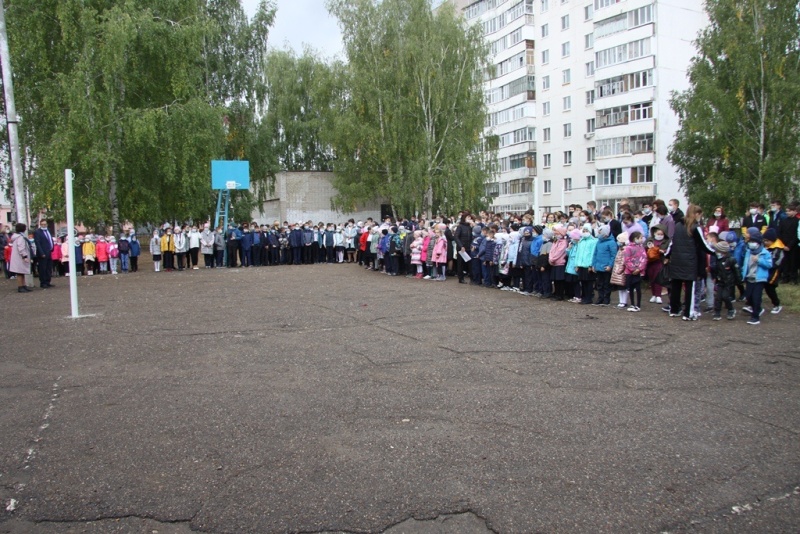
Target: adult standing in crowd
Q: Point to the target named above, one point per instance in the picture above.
(44, 253)
(718, 220)
(463, 237)
(687, 260)
(21, 256)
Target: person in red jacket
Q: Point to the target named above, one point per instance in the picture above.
(718, 220)
(101, 250)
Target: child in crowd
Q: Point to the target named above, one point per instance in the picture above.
(757, 263)
(155, 251)
(775, 247)
(440, 253)
(89, 251)
(558, 261)
(726, 276)
(602, 262)
(635, 259)
(584, 261)
(101, 249)
(113, 254)
(543, 263)
(486, 255)
(657, 246)
(572, 292)
(618, 278)
(136, 250)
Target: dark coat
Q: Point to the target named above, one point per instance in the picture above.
(463, 236)
(43, 247)
(687, 254)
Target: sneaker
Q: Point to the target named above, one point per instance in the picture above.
(658, 300)
(690, 318)
(633, 309)
(524, 293)
(731, 314)
(653, 298)
(776, 310)
(426, 277)
(504, 288)
(747, 309)
(674, 314)
(665, 309)
(621, 305)
(753, 321)
(717, 317)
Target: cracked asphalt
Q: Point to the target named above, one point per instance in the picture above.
(330, 399)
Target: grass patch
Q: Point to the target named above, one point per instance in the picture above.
(790, 297)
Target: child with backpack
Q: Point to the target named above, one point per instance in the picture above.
(635, 259)
(113, 254)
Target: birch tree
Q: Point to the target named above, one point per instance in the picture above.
(411, 121)
(739, 139)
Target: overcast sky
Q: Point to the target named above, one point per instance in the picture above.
(300, 22)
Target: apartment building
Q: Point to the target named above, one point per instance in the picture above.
(579, 97)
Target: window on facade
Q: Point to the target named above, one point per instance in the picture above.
(588, 12)
(547, 161)
(566, 76)
(546, 132)
(545, 57)
(567, 103)
(545, 30)
(590, 97)
(545, 5)
(568, 129)
(565, 49)
(610, 176)
(565, 22)
(641, 143)
(600, 4)
(590, 125)
(590, 181)
(590, 154)
(568, 157)
(545, 82)
(623, 84)
(588, 41)
(640, 112)
(547, 187)
(641, 175)
(567, 184)
(590, 69)
(612, 116)
(546, 108)
(640, 17)
(611, 147)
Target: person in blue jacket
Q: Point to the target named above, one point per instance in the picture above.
(605, 252)
(757, 263)
(136, 251)
(296, 244)
(737, 251)
(536, 247)
(246, 245)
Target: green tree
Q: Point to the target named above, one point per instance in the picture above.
(739, 139)
(410, 124)
(135, 97)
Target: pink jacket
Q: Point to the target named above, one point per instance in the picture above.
(101, 249)
(423, 254)
(440, 251)
(635, 258)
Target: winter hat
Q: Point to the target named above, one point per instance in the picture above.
(622, 238)
(723, 247)
(112, 239)
(476, 231)
(754, 235)
(560, 230)
(604, 231)
(548, 233)
(526, 231)
(731, 237)
(538, 229)
(575, 234)
(385, 231)
(771, 235)
(587, 227)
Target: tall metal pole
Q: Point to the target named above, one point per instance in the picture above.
(73, 276)
(13, 122)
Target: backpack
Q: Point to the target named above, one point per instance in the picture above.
(124, 247)
(113, 251)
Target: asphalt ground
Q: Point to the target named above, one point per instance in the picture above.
(331, 399)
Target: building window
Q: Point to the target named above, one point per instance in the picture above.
(590, 154)
(545, 82)
(590, 181)
(612, 116)
(641, 175)
(590, 97)
(567, 184)
(640, 17)
(610, 176)
(590, 69)
(640, 112)
(588, 41)
(567, 130)
(641, 143)
(567, 103)
(565, 49)
(564, 22)
(568, 157)
(545, 57)
(547, 187)
(545, 5)
(600, 4)
(546, 134)
(590, 126)
(588, 12)
(545, 30)
(566, 76)
(546, 108)
(547, 161)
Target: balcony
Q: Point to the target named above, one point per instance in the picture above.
(518, 174)
(626, 190)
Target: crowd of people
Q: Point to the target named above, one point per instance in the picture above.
(691, 264)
